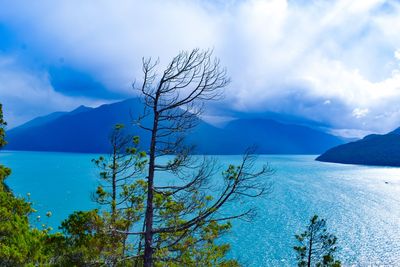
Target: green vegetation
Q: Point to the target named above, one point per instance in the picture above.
(20, 244)
(317, 246)
(4, 171)
(98, 237)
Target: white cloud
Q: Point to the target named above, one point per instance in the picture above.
(359, 113)
(284, 56)
(350, 133)
(397, 54)
(25, 96)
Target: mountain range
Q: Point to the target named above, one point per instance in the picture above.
(374, 149)
(86, 130)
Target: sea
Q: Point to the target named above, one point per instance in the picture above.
(361, 204)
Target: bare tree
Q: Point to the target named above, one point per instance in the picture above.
(174, 101)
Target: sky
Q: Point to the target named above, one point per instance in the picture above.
(333, 62)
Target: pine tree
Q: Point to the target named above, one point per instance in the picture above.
(99, 236)
(317, 246)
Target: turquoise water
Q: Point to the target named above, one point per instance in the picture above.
(361, 204)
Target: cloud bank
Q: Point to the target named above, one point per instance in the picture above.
(335, 62)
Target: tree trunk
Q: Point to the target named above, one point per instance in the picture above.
(148, 249)
(310, 250)
(114, 186)
(140, 245)
(113, 203)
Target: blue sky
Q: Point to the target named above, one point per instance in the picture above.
(335, 62)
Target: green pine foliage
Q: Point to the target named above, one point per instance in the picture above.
(316, 246)
(3, 124)
(191, 247)
(20, 244)
(4, 171)
(101, 237)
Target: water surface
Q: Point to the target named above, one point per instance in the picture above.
(361, 204)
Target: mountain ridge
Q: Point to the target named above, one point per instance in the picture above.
(86, 130)
(373, 149)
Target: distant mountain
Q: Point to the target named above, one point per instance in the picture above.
(269, 136)
(374, 149)
(42, 120)
(53, 116)
(396, 131)
(87, 130)
(279, 117)
(82, 130)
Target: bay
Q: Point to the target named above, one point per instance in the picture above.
(361, 204)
